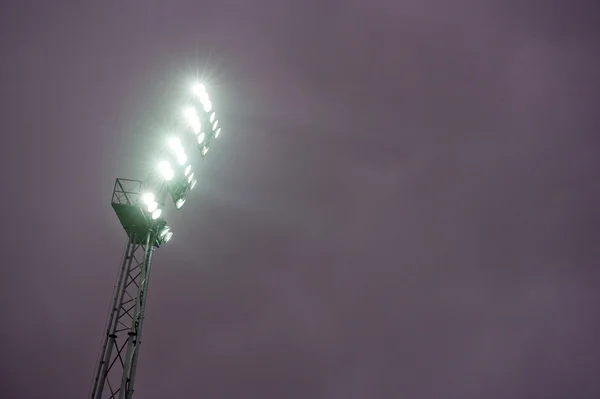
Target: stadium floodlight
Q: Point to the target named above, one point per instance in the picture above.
(148, 198)
(199, 89)
(164, 231)
(166, 170)
(179, 203)
(140, 208)
(191, 116)
(152, 206)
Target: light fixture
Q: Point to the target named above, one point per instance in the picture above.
(191, 177)
(152, 206)
(193, 183)
(198, 89)
(156, 214)
(165, 170)
(148, 198)
(201, 137)
(179, 203)
(215, 124)
(164, 231)
(188, 169)
(207, 105)
(212, 117)
(217, 132)
(167, 236)
(204, 150)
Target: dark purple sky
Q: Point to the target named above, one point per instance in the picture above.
(404, 203)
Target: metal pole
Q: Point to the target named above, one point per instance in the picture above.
(144, 295)
(108, 343)
(135, 331)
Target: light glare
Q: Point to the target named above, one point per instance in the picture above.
(156, 214)
(152, 206)
(179, 203)
(148, 198)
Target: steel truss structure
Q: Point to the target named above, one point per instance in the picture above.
(115, 372)
(139, 207)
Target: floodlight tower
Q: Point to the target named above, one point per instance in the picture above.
(138, 205)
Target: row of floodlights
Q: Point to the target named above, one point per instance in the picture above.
(180, 175)
(152, 207)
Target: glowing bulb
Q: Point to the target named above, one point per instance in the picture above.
(152, 206)
(215, 124)
(156, 214)
(193, 184)
(181, 159)
(201, 137)
(204, 150)
(179, 203)
(174, 143)
(190, 177)
(190, 113)
(165, 169)
(207, 105)
(188, 169)
(217, 132)
(164, 231)
(198, 89)
(148, 198)
(168, 236)
(212, 117)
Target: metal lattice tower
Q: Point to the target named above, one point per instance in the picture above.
(138, 206)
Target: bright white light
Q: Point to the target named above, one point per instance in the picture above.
(152, 206)
(217, 132)
(204, 150)
(197, 127)
(165, 169)
(192, 117)
(168, 236)
(156, 214)
(179, 203)
(148, 198)
(188, 169)
(190, 177)
(190, 113)
(174, 143)
(181, 159)
(201, 138)
(207, 105)
(198, 89)
(215, 124)
(193, 184)
(212, 117)
(164, 231)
